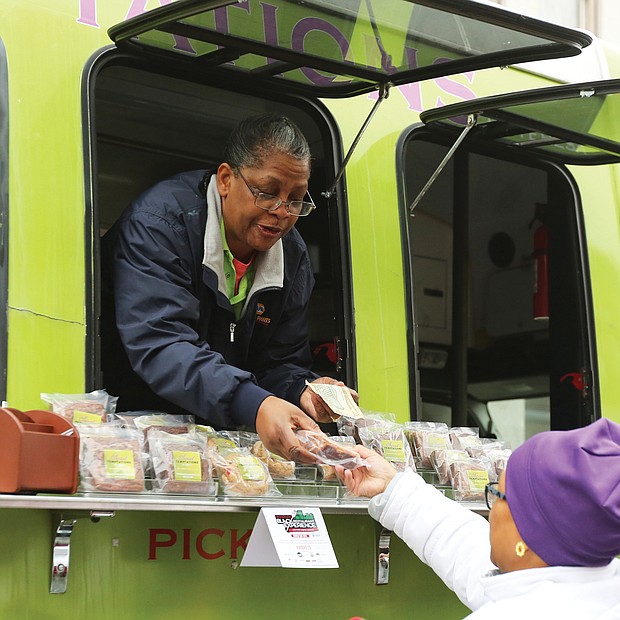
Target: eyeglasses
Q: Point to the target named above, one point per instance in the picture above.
(269, 202)
(492, 494)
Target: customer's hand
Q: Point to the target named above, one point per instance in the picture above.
(276, 421)
(367, 481)
(312, 404)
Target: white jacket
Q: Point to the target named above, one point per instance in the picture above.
(454, 542)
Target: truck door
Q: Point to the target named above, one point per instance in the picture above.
(182, 76)
(501, 292)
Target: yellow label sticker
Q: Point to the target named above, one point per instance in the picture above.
(434, 440)
(84, 417)
(187, 466)
(119, 464)
(203, 428)
(222, 442)
(477, 479)
(393, 450)
(156, 420)
(250, 468)
(468, 441)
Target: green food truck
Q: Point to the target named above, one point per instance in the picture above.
(465, 248)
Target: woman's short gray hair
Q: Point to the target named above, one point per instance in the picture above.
(257, 137)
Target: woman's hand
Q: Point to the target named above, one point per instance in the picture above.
(367, 481)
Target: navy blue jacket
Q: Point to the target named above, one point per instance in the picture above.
(169, 337)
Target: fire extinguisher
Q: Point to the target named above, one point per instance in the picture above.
(541, 264)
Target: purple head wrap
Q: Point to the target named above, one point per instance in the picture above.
(563, 490)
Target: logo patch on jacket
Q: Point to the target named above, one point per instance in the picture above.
(260, 310)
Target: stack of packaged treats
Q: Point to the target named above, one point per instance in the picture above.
(91, 408)
(171, 452)
(388, 439)
(424, 438)
(240, 472)
(137, 452)
(458, 456)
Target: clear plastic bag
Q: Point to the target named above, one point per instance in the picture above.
(349, 427)
(499, 459)
(170, 423)
(468, 479)
(493, 454)
(279, 468)
(222, 441)
(243, 439)
(327, 451)
(388, 439)
(243, 474)
(90, 408)
(180, 463)
(328, 472)
(442, 459)
(426, 437)
(112, 459)
(462, 437)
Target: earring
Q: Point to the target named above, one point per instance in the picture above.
(520, 549)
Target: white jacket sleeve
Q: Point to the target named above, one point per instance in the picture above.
(451, 539)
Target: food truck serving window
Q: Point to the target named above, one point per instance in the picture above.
(343, 47)
(502, 234)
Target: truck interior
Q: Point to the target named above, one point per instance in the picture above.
(148, 126)
(473, 267)
(499, 343)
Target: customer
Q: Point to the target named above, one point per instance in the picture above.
(549, 547)
(206, 292)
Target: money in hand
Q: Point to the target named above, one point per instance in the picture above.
(338, 398)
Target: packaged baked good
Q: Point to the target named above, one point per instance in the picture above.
(243, 439)
(426, 437)
(167, 422)
(350, 427)
(112, 459)
(328, 472)
(204, 429)
(462, 437)
(468, 479)
(388, 439)
(279, 468)
(492, 454)
(441, 461)
(243, 474)
(90, 408)
(222, 441)
(499, 459)
(180, 463)
(327, 451)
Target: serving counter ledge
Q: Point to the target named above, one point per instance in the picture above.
(113, 502)
(68, 509)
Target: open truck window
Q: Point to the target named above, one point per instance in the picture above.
(500, 291)
(148, 126)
